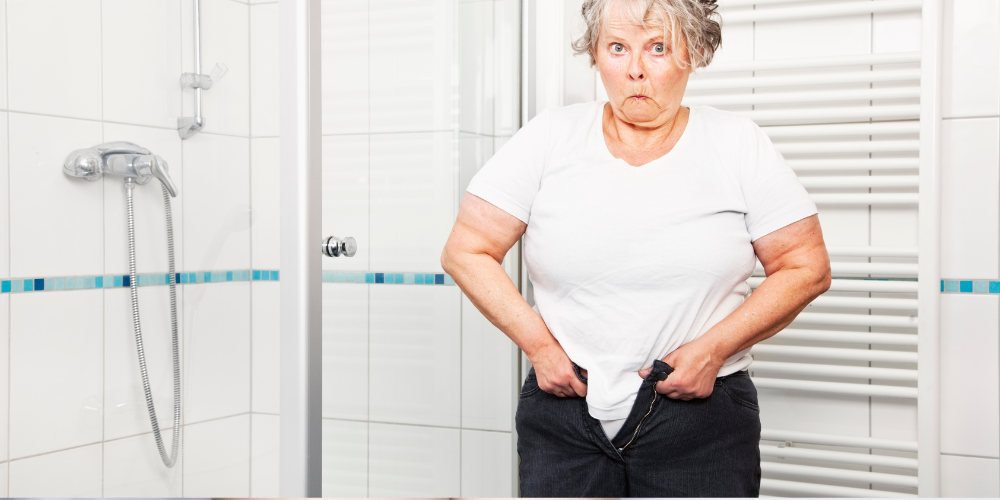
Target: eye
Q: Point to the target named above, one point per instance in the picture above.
(659, 49)
(617, 48)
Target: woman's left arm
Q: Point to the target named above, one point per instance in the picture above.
(798, 270)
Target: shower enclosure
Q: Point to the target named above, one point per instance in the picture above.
(417, 388)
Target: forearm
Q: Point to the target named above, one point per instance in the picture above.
(769, 309)
(484, 281)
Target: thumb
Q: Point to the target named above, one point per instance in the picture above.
(645, 371)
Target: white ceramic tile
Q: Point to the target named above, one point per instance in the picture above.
(217, 202)
(265, 198)
(507, 47)
(476, 80)
(487, 464)
(148, 208)
(970, 201)
(474, 151)
(225, 39)
(141, 45)
(217, 458)
(345, 66)
(345, 351)
(133, 468)
(412, 64)
(970, 376)
(969, 477)
(4, 199)
(345, 197)
(488, 382)
(125, 412)
(971, 59)
(264, 71)
(413, 199)
(217, 350)
(264, 455)
(55, 370)
(409, 461)
(4, 376)
(70, 473)
(3, 480)
(38, 147)
(896, 32)
(54, 57)
(415, 364)
(3, 58)
(266, 345)
(345, 458)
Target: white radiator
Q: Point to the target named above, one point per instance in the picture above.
(860, 131)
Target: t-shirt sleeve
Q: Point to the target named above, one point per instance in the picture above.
(773, 194)
(511, 178)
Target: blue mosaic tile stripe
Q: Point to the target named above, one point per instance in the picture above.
(21, 285)
(387, 278)
(970, 286)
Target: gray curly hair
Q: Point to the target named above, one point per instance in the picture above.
(692, 19)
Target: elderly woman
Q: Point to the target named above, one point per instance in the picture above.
(641, 221)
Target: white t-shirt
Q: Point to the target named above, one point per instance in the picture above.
(629, 263)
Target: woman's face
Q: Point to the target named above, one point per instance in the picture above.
(644, 84)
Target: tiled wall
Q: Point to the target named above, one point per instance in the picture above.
(72, 417)
(970, 230)
(417, 384)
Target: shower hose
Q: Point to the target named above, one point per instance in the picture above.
(168, 460)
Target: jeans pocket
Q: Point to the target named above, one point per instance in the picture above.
(740, 389)
(530, 386)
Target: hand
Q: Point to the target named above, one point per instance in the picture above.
(695, 370)
(555, 374)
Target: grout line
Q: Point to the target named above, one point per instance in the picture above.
(426, 426)
(104, 252)
(968, 456)
(251, 231)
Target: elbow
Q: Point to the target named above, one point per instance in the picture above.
(447, 259)
(824, 278)
(451, 258)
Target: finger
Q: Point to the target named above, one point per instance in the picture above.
(579, 388)
(645, 372)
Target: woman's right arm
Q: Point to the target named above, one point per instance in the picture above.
(481, 237)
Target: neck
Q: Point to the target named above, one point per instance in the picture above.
(645, 137)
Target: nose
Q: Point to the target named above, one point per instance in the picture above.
(636, 71)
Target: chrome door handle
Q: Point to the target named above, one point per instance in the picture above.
(336, 247)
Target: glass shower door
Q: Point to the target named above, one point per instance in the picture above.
(418, 388)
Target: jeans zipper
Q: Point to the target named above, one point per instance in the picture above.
(636, 433)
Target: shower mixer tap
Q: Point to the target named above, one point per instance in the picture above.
(138, 166)
(119, 158)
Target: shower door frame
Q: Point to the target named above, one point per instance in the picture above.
(301, 317)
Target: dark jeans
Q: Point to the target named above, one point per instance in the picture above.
(667, 447)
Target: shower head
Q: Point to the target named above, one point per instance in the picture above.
(119, 158)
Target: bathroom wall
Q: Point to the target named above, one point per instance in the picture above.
(970, 229)
(72, 417)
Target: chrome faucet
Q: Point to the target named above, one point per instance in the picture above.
(119, 158)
